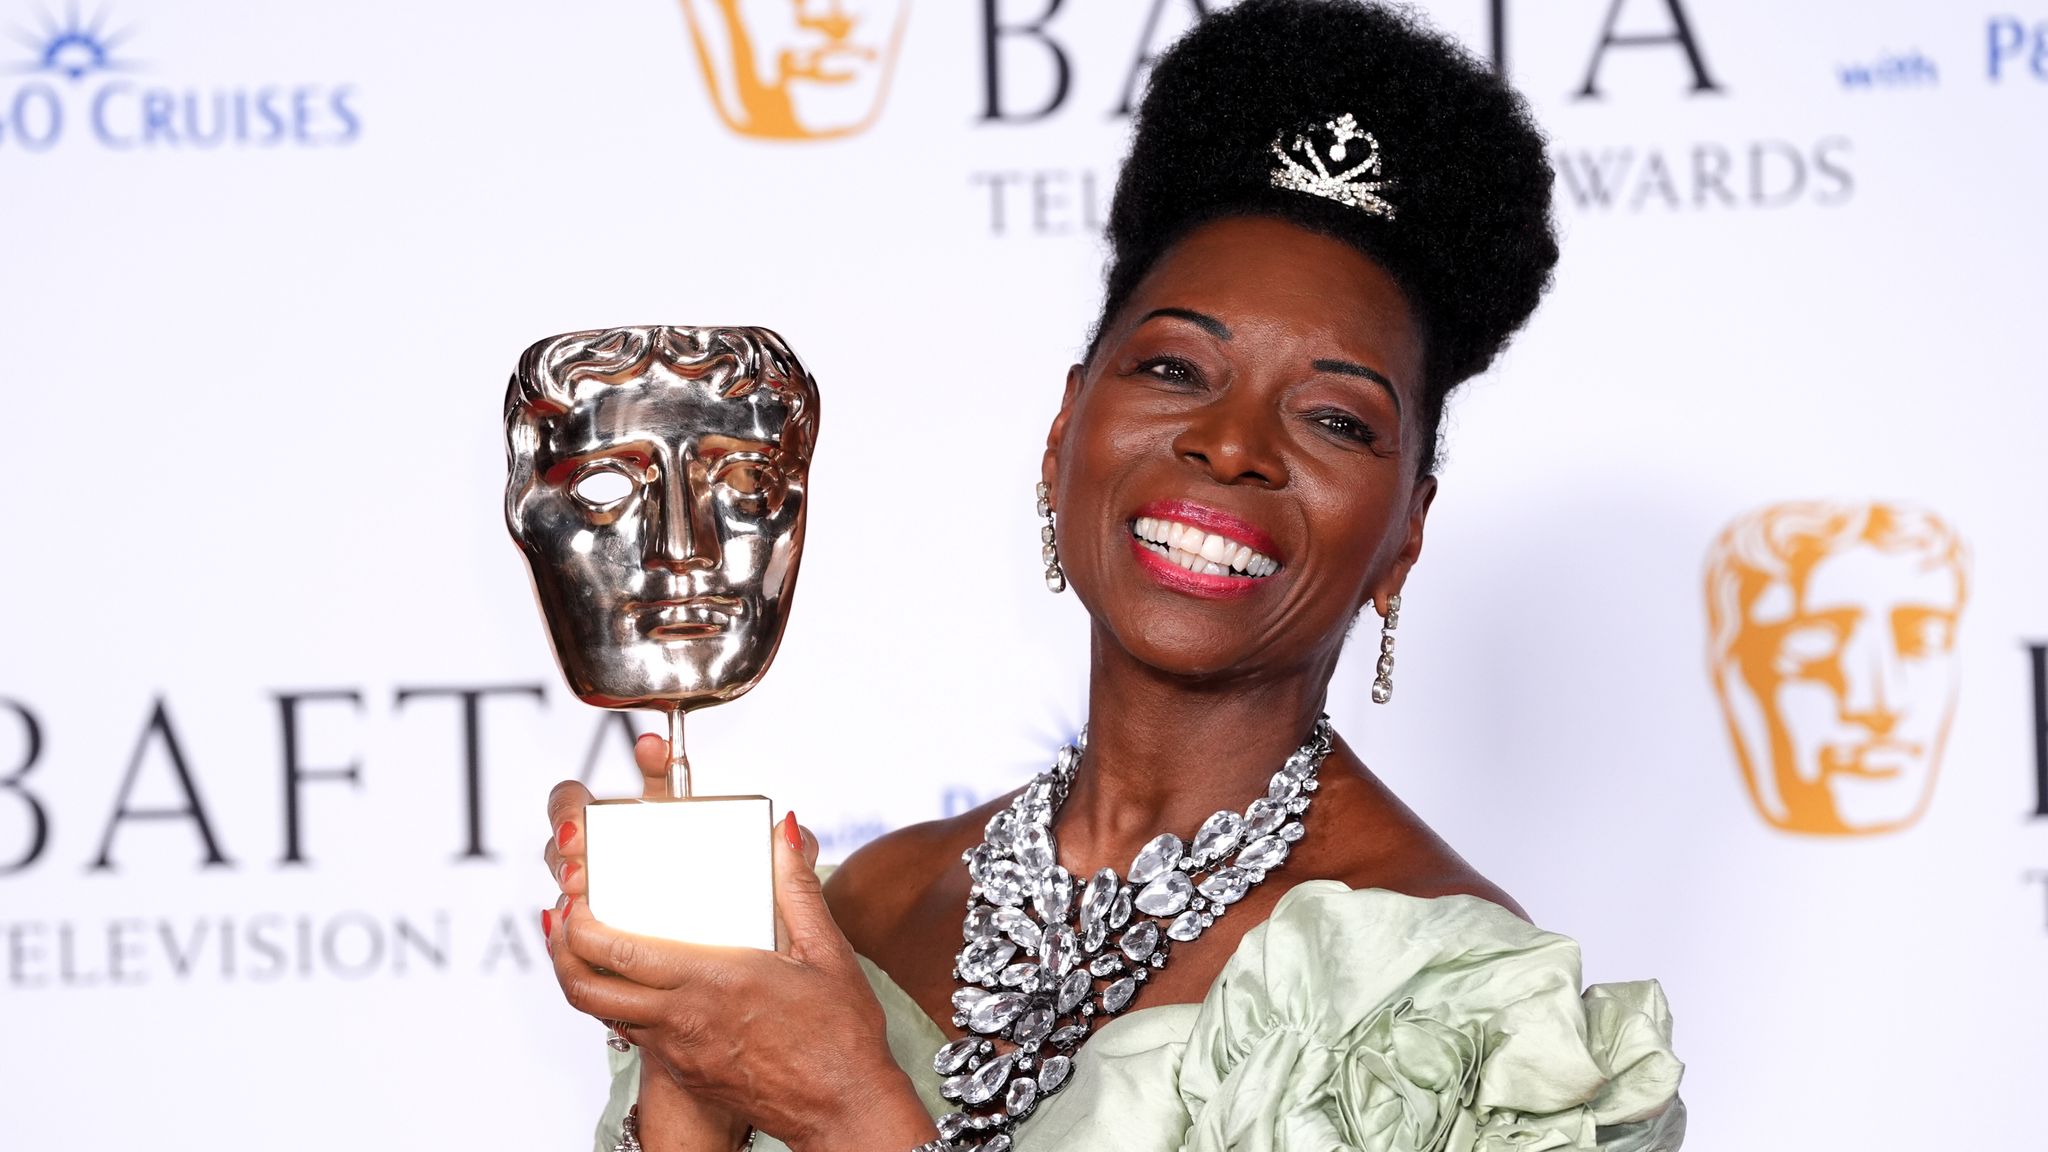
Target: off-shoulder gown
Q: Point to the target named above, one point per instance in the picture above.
(1351, 1019)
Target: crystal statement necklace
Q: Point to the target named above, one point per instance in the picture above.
(1045, 958)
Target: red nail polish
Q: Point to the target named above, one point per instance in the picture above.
(789, 832)
(571, 903)
(570, 869)
(563, 833)
(547, 923)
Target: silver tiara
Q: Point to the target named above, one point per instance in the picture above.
(1346, 186)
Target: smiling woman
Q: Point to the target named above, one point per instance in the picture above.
(1208, 925)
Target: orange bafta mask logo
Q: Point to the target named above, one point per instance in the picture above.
(797, 69)
(1832, 635)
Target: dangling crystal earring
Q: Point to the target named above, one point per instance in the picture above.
(1383, 686)
(1055, 580)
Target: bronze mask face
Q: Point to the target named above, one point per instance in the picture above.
(656, 487)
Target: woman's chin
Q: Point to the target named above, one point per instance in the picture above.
(1185, 649)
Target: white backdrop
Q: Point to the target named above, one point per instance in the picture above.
(266, 267)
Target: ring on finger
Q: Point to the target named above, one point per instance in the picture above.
(615, 1035)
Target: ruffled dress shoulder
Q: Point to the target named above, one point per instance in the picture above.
(1352, 1019)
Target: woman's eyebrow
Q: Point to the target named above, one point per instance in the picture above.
(1206, 322)
(1347, 368)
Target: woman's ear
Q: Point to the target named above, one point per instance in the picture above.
(1049, 467)
(1411, 545)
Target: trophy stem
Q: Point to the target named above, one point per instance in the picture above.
(678, 760)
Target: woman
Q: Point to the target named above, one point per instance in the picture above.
(1329, 217)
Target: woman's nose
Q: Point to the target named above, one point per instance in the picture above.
(1234, 438)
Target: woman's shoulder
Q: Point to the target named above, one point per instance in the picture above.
(882, 882)
(1389, 847)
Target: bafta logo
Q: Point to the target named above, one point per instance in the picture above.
(797, 69)
(1832, 641)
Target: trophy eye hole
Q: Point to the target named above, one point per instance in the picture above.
(750, 476)
(602, 486)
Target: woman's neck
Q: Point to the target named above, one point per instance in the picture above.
(1165, 752)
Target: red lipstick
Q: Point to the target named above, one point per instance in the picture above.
(1209, 586)
(1193, 583)
(1214, 520)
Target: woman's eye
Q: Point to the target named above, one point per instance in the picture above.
(600, 487)
(1171, 369)
(1347, 426)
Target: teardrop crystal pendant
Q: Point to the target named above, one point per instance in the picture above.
(1118, 994)
(1139, 940)
(1022, 1094)
(1218, 835)
(1033, 1027)
(979, 924)
(1264, 815)
(1073, 990)
(995, 1013)
(1263, 855)
(1034, 847)
(1055, 896)
(984, 958)
(1158, 855)
(953, 1057)
(1166, 895)
(1001, 830)
(987, 1080)
(1226, 886)
(1098, 896)
(1061, 950)
(1005, 883)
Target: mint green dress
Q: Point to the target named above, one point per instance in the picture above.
(1351, 1019)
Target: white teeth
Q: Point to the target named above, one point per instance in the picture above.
(1199, 551)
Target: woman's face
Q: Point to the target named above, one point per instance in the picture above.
(1254, 403)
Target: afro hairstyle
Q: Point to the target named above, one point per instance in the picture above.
(1472, 242)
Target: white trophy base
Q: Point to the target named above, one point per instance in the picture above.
(700, 871)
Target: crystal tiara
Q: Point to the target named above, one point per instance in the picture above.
(1350, 186)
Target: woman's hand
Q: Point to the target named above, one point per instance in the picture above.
(792, 1041)
(564, 852)
(669, 1117)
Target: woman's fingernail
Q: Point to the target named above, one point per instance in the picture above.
(547, 923)
(570, 869)
(570, 903)
(563, 834)
(790, 833)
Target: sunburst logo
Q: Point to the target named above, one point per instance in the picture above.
(797, 69)
(1832, 644)
(78, 85)
(74, 47)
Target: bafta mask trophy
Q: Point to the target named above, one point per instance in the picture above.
(656, 485)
